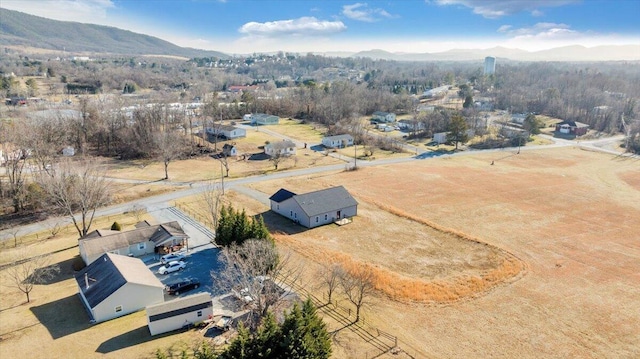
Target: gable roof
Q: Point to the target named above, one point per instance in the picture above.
(339, 137)
(101, 241)
(325, 200)
(281, 195)
(281, 145)
(180, 303)
(109, 273)
(573, 124)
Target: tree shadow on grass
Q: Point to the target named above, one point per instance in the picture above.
(279, 224)
(131, 338)
(62, 317)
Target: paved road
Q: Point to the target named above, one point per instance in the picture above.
(160, 206)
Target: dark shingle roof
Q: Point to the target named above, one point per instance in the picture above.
(573, 124)
(110, 272)
(281, 195)
(325, 200)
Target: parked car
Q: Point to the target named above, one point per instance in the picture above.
(176, 256)
(181, 287)
(172, 267)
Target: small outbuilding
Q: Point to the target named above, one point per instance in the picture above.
(115, 285)
(315, 208)
(179, 313)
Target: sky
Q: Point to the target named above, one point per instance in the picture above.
(401, 26)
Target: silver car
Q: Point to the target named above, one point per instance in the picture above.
(172, 267)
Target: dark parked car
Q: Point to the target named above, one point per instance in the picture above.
(181, 287)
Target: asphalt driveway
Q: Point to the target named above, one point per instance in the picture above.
(200, 264)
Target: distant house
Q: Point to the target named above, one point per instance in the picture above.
(440, 137)
(229, 150)
(337, 141)
(142, 240)
(178, 313)
(116, 285)
(282, 148)
(229, 132)
(574, 128)
(380, 116)
(264, 119)
(518, 118)
(68, 151)
(410, 125)
(436, 92)
(315, 208)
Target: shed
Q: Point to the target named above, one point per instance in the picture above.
(116, 285)
(178, 313)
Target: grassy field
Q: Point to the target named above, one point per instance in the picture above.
(535, 256)
(569, 215)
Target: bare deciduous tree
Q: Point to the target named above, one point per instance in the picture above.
(77, 186)
(358, 286)
(213, 198)
(170, 145)
(330, 278)
(257, 274)
(138, 211)
(26, 272)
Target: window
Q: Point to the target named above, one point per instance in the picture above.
(199, 313)
(316, 219)
(295, 215)
(278, 207)
(325, 217)
(291, 214)
(118, 309)
(141, 245)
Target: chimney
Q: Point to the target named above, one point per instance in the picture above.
(86, 280)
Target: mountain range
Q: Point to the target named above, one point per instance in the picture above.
(20, 29)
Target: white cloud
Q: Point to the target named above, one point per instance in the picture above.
(493, 9)
(94, 11)
(362, 12)
(504, 28)
(301, 26)
(540, 30)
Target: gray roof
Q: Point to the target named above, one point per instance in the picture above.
(102, 241)
(573, 124)
(227, 128)
(339, 137)
(110, 272)
(325, 200)
(178, 303)
(281, 145)
(281, 195)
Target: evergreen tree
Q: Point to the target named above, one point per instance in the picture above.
(317, 337)
(457, 130)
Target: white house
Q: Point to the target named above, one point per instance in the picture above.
(380, 116)
(440, 137)
(144, 239)
(68, 151)
(176, 314)
(115, 285)
(411, 125)
(337, 141)
(282, 148)
(264, 119)
(229, 132)
(315, 208)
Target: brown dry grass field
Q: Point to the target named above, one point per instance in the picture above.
(206, 168)
(570, 216)
(535, 256)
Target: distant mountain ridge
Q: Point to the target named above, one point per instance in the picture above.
(566, 53)
(17, 28)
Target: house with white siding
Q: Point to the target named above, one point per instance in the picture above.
(263, 119)
(144, 239)
(281, 148)
(228, 132)
(115, 285)
(337, 141)
(315, 208)
(386, 117)
(178, 313)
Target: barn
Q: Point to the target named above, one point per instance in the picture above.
(179, 313)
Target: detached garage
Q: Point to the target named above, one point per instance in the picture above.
(178, 313)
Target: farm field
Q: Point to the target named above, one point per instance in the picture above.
(569, 215)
